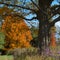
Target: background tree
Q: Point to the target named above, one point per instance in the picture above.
(17, 33)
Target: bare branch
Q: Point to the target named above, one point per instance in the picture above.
(18, 6)
(54, 7)
(21, 16)
(33, 10)
(25, 17)
(54, 13)
(34, 4)
(53, 22)
(30, 19)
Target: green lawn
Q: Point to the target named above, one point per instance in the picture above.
(5, 57)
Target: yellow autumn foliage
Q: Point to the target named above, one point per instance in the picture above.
(17, 32)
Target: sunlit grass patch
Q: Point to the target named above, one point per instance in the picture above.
(5, 57)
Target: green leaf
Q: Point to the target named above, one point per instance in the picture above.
(1, 46)
(2, 37)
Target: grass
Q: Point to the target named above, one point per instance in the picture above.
(5, 57)
(48, 55)
(53, 54)
(36, 57)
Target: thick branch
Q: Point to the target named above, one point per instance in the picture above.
(18, 6)
(26, 18)
(56, 11)
(53, 22)
(30, 19)
(54, 7)
(17, 15)
(53, 14)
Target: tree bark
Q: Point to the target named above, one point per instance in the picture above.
(43, 33)
(40, 32)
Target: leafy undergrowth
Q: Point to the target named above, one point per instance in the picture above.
(32, 53)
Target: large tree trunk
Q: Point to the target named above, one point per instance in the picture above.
(43, 34)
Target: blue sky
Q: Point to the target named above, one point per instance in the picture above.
(55, 2)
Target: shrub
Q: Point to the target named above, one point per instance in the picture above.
(17, 33)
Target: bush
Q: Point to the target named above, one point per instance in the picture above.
(22, 52)
(17, 33)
